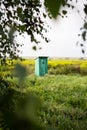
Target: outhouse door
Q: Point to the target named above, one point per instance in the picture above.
(41, 67)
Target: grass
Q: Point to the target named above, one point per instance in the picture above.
(63, 99)
(63, 96)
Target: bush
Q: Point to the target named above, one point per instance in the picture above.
(65, 69)
(18, 110)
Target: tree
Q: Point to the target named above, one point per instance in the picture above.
(61, 7)
(27, 16)
(21, 16)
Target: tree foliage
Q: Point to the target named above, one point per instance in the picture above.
(27, 16)
(54, 9)
(18, 110)
(22, 16)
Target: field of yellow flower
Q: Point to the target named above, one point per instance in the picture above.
(67, 66)
(57, 62)
(55, 66)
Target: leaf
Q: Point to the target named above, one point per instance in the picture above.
(81, 45)
(0, 15)
(22, 27)
(84, 35)
(19, 11)
(85, 25)
(53, 6)
(85, 9)
(44, 15)
(34, 48)
(83, 51)
(64, 12)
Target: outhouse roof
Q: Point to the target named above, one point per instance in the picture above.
(41, 57)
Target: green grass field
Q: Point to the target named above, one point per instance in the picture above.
(63, 99)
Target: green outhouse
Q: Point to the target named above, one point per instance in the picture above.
(41, 66)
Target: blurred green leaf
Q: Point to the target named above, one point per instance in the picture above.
(53, 6)
(11, 34)
(20, 71)
(34, 48)
(18, 111)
